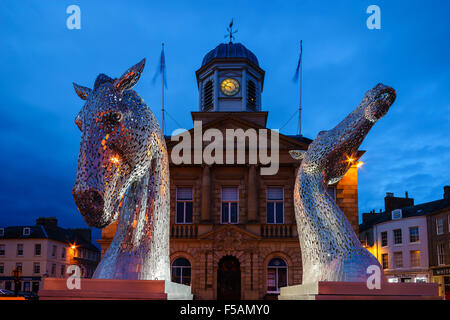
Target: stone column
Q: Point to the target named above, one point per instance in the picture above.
(206, 194)
(252, 201)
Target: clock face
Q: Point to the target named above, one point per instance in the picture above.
(230, 87)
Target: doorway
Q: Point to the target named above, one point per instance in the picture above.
(229, 279)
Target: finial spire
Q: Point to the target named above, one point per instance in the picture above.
(230, 31)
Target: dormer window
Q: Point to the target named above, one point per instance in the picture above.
(208, 98)
(26, 231)
(2, 232)
(251, 95)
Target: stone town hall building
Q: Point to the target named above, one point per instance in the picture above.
(233, 231)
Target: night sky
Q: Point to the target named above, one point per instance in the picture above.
(408, 150)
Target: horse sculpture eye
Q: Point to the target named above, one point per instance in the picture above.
(112, 118)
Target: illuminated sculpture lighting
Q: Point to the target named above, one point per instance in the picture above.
(331, 250)
(123, 168)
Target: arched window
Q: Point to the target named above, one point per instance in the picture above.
(277, 272)
(181, 271)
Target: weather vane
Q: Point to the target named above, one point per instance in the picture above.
(230, 31)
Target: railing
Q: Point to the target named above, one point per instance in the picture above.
(277, 231)
(184, 231)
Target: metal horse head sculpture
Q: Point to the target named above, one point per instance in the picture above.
(123, 173)
(331, 250)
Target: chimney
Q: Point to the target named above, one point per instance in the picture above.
(447, 192)
(392, 203)
(48, 222)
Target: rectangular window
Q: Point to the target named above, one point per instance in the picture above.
(2, 232)
(2, 249)
(184, 205)
(384, 261)
(398, 259)
(63, 252)
(37, 267)
(20, 249)
(2, 268)
(37, 249)
(440, 254)
(275, 205)
(26, 231)
(230, 205)
(63, 270)
(26, 286)
(415, 258)
(53, 269)
(397, 236)
(53, 251)
(19, 266)
(384, 239)
(414, 234)
(439, 226)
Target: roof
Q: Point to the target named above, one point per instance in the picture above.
(230, 50)
(407, 212)
(51, 233)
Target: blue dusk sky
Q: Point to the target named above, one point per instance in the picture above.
(40, 57)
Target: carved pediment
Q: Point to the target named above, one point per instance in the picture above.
(229, 237)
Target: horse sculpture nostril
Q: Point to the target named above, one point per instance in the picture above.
(95, 197)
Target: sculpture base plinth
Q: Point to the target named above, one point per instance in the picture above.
(109, 289)
(359, 291)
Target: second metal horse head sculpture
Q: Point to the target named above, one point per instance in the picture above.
(123, 173)
(330, 248)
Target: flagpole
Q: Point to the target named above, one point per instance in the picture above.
(300, 102)
(162, 88)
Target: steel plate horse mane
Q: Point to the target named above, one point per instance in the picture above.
(331, 250)
(123, 173)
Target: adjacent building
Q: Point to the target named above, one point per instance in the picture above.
(44, 250)
(411, 242)
(233, 230)
(439, 242)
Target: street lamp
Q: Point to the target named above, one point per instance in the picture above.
(16, 273)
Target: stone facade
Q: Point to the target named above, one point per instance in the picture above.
(252, 241)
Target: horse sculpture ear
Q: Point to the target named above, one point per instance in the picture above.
(81, 91)
(130, 77)
(297, 154)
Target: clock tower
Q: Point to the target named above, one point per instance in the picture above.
(230, 80)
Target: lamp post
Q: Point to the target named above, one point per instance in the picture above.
(16, 273)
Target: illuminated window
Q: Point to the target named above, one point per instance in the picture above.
(181, 271)
(275, 205)
(397, 236)
(384, 239)
(385, 261)
(184, 205)
(230, 205)
(398, 259)
(277, 273)
(414, 234)
(415, 258)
